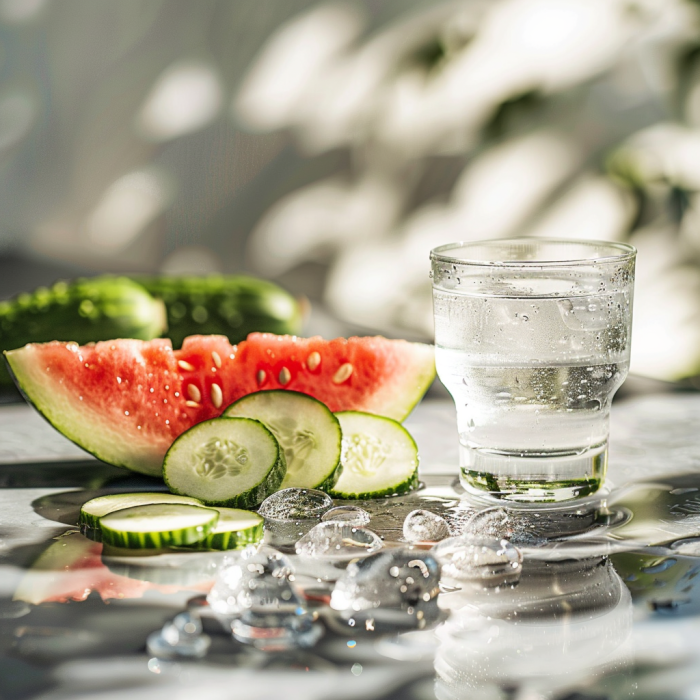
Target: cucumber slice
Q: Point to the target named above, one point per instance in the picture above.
(157, 526)
(94, 509)
(225, 462)
(380, 458)
(235, 530)
(308, 432)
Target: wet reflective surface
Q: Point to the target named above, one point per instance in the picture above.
(596, 600)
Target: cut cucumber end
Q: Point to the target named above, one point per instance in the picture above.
(235, 529)
(235, 462)
(157, 526)
(307, 430)
(380, 458)
(96, 508)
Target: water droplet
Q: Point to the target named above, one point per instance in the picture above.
(356, 669)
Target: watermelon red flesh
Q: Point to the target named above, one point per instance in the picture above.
(387, 377)
(125, 401)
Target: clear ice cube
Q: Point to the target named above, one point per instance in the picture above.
(424, 526)
(182, 637)
(338, 540)
(246, 576)
(257, 590)
(295, 504)
(479, 560)
(396, 588)
(350, 515)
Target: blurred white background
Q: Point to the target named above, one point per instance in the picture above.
(329, 146)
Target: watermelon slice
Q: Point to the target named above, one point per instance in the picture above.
(125, 401)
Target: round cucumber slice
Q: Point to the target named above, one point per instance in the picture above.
(233, 462)
(157, 526)
(95, 508)
(235, 530)
(308, 432)
(380, 458)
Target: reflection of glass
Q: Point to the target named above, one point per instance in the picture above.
(533, 340)
(565, 623)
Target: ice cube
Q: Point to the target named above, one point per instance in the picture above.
(350, 515)
(338, 540)
(182, 637)
(397, 589)
(257, 590)
(424, 526)
(484, 561)
(295, 504)
(246, 575)
(289, 514)
(493, 523)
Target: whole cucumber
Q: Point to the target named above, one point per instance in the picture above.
(230, 305)
(84, 311)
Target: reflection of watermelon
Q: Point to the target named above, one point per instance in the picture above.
(125, 401)
(72, 568)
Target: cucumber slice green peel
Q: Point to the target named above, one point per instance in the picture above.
(235, 530)
(96, 508)
(234, 462)
(308, 432)
(380, 458)
(158, 525)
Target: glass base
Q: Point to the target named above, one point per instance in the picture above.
(533, 477)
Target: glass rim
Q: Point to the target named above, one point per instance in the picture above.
(626, 252)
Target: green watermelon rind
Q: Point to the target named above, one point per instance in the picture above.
(57, 419)
(252, 497)
(407, 400)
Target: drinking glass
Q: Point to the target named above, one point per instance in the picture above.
(532, 341)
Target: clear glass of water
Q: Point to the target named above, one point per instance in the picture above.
(533, 340)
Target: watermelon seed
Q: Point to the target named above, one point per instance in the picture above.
(343, 373)
(194, 393)
(261, 376)
(182, 364)
(217, 396)
(313, 361)
(217, 358)
(191, 404)
(285, 376)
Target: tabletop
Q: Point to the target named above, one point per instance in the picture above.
(604, 603)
